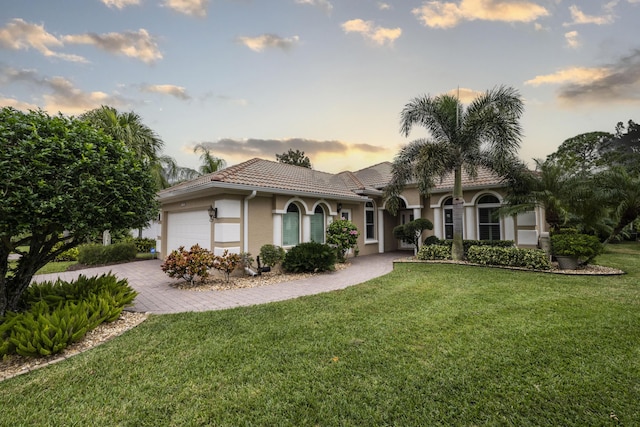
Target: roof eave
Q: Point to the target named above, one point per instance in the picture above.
(169, 195)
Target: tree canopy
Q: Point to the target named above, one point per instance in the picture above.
(62, 179)
(485, 133)
(296, 158)
(591, 183)
(210, 163)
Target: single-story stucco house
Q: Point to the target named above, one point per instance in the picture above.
(260, 202)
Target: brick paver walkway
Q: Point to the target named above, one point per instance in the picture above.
(156, 296)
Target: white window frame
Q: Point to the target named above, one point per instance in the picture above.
(495, 205)
(324, 223)
(373, 224)
(287, 244)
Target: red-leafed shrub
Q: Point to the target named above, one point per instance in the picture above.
(226, 263)
(190, 264)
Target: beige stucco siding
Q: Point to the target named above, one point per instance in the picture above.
(260, 224)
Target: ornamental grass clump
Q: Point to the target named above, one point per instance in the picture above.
(343, 234)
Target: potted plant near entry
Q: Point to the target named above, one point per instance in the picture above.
(572, 249)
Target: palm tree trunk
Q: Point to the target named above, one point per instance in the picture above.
(457, 249)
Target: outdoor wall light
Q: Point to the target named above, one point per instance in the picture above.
(213, 213)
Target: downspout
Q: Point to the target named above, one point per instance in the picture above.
(245, 220)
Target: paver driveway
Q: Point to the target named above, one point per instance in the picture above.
(156, 296)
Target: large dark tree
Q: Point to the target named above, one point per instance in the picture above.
(624, 148)
(296, 158)
(62, 180)
(486, 133)
(582, 154)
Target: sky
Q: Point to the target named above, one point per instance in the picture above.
(254, 78)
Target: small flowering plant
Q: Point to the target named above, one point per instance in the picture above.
(343, 234)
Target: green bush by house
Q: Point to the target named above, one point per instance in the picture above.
(310, 257)
(535, 259)
(434, 252)
(271, 255)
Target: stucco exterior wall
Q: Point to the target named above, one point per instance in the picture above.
(260, 224)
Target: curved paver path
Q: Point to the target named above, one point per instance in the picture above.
(156, 296)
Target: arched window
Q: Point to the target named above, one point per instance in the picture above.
(291, 226)
(488, 219)
(448, 218)
(317, 225)
(370, 221)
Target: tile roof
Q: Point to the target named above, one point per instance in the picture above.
(376, 176)
(484, 178)
(268, 175)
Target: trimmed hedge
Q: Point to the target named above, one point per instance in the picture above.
(535, 259)
(434, 252)
(95, 254)
(310, 257)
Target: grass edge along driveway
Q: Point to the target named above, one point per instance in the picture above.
(424, 345)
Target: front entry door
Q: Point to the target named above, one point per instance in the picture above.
(405, 217)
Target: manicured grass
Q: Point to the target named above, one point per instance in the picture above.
(425, 345)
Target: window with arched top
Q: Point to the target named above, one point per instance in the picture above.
(317, 225)
(488, 218)
(370, 221)
(291, 226)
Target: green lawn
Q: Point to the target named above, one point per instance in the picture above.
(426, 345)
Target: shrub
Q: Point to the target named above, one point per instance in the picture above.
(310, 257)
(188, 265)
(431, 240)
(469, 243)
(343, 234)
(535, 259)
(144, 244)
(433, 252)
(43, 334)
(271, 255)
(411, 231)
(58, 314)
(81, 289)
(95, 254)
(68, 255)
(226, 263)
(581, 246)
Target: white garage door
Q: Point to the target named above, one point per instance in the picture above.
(188, 228)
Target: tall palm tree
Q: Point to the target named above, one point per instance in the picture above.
(128, 128)
(621, 193)
(487, 133)
(210, 163)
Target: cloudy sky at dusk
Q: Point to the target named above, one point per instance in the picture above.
(253, 78)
